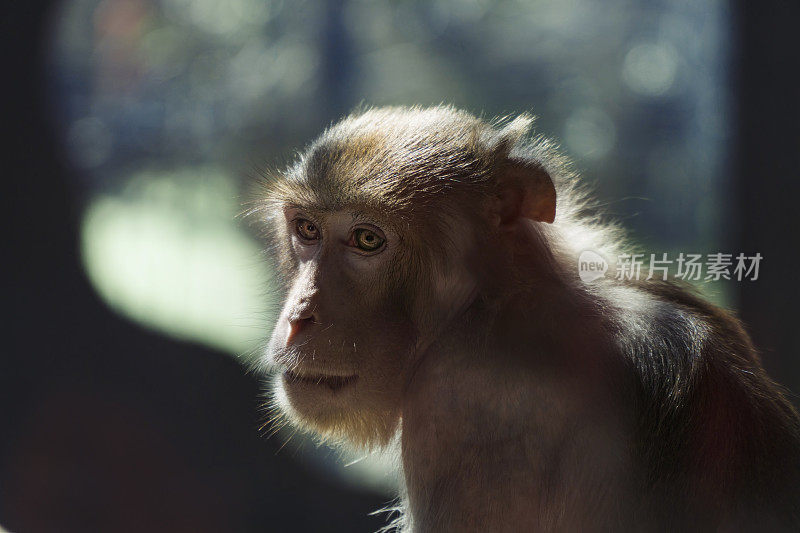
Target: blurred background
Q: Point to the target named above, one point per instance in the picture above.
(137, 300)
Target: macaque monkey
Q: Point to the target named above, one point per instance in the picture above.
(432, 304)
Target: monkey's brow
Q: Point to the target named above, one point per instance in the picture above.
(356, 211)
(361, 214)
(311, 208)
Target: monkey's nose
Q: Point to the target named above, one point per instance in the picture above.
(298, 324)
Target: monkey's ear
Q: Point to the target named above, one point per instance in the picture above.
(524, 190)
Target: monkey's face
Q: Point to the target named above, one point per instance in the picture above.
(382, 229)
(342, 341)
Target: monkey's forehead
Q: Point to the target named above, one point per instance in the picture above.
(335, 175)
(394, 158)
(401, 134)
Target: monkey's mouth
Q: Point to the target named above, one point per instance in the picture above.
(334, 383)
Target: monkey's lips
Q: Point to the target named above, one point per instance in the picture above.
(334, 383)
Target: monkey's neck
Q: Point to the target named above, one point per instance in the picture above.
(490, 437)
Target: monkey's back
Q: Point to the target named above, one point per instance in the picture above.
(718, 438)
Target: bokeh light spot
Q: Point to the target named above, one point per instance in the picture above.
(649, 69)
(590, 133)
(167, 253)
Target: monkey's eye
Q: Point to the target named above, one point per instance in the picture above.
(367, 240)
(307, 230)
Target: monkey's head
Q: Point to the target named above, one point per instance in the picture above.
(382, 232)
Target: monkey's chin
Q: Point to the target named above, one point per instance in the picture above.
(333, 410)
(313, 382)
(317, 400)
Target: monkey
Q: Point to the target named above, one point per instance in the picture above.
(431, 306)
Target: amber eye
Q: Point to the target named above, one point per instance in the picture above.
(367, 240)
(307, 230)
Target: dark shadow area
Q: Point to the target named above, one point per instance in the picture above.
(104, 426)
(767, 168)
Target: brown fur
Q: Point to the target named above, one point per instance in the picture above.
(528, 399)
